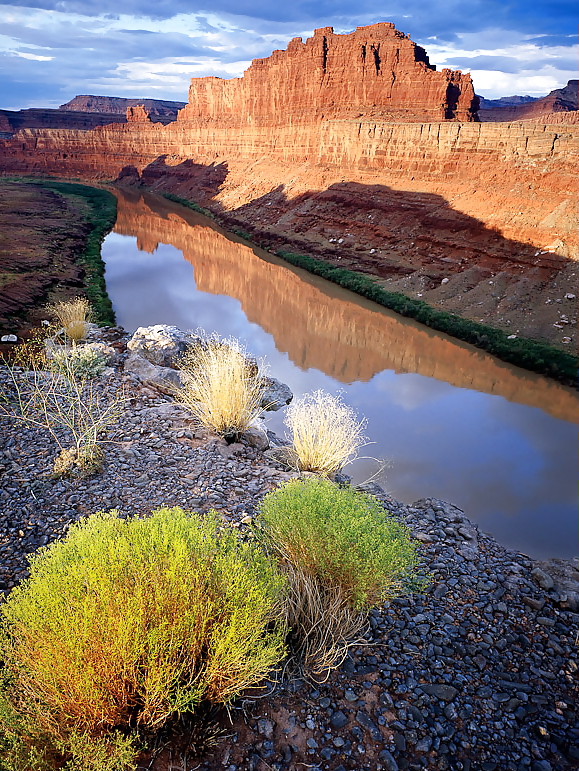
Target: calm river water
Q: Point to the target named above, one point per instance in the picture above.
(446, 420)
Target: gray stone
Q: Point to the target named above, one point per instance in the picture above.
(256, 437)
(543, 579)
(440, 691)
(276, 395)
(164, 379)
(338, 719)
(388, 761)
(424, 744)
(160, 344)
(265, 727)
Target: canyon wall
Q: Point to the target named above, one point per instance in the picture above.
(374, 72)
(355, 149)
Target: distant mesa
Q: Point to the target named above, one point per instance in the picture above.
(562, 103)
(106, 105)
(86, 112)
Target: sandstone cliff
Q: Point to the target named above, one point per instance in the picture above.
(375, 72)
(329, 174)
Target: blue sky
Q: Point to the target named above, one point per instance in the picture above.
(51, 50)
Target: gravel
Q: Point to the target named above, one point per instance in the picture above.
(479, 672)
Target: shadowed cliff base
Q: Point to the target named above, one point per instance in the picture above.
(321, 325)
(417, 245)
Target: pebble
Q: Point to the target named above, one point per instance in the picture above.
(480, 671)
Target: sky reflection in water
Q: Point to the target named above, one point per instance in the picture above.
(511, 467)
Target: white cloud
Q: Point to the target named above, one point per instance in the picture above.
(34, 57)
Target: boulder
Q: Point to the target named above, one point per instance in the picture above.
(164, 379)
(256, 437)
(276, 396)
(160, 344)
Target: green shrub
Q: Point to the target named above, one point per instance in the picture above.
(125, 624)
(80, 361)
(340, 536)
(342, 553)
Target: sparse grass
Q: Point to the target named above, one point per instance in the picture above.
(74, 315)
(123, 626)
(222, 387)
(325, 432)
(70, 407)
(342, 553)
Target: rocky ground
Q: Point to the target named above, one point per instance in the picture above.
(479, 673)
(41, 234)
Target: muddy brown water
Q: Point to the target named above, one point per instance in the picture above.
(445, 419)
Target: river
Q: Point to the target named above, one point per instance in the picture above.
(445, 420)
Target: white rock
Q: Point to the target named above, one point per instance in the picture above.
(160, 344)
(570, 296)
(445, 281)
(8, 339)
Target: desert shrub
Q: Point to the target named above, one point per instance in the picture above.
(80, 361)
(325, 432)
(74, 315)
(125, 624)
(342, 553)
(222, 387)
(69, 406)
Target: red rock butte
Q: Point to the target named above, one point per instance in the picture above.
(354, 148)
(374, 72)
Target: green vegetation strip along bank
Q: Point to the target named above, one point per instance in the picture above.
(101, 219)
(522, 352)
(532, 355)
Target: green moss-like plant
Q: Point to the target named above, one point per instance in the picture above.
(125, 624)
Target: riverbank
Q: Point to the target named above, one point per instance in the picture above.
(530, 354)
(50, 248)
(479, 673)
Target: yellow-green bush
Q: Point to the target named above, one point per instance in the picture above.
(342, 554)
(125, 624)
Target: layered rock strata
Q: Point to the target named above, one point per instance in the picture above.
(312, 146)
(374, 72)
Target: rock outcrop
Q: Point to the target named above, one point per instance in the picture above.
(560, 101)
(375, 72)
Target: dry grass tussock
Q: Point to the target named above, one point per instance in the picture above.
(325, 433)
(74, 315)
(222, 386)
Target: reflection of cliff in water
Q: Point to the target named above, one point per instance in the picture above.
(321, 325)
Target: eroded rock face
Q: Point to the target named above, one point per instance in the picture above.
(560, 105)
(337, 124)
(375, 71)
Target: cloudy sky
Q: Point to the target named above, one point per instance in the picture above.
(51, 50)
